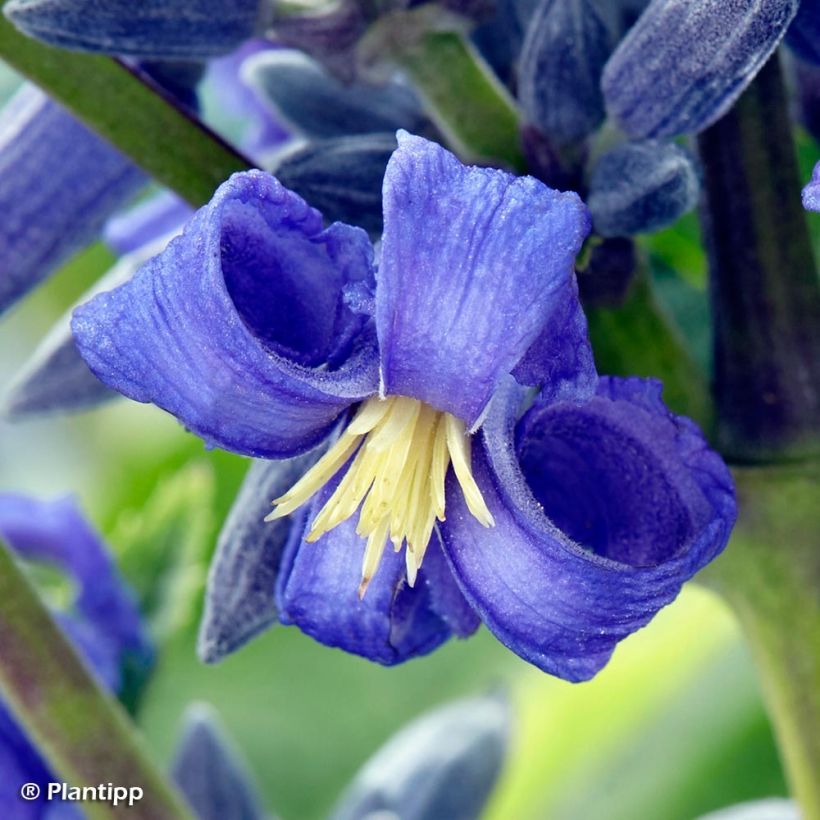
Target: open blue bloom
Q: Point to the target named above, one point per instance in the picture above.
(103, 624)
(266, 334)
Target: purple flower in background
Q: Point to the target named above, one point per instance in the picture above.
(564, 529)
(103, 623)
(811, 193)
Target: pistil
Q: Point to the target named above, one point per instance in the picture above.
(403, 449)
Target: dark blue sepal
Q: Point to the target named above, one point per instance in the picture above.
(318, 105)
(60, 183)
(443, 764)
(209, 772)
(565, 48)
(149, 29)
(803, 36)
(342, 177)
(240, 600)
(640, 187)
(685, 62)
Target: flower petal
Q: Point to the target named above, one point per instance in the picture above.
(474, 266)
(240, 599)
(811, 192)
(602, 511)
(60, 183)
(442, 765)
(317, 591)
(209, 773)
(239, 328)
(686, 61)
(150, 29)
(146, 222)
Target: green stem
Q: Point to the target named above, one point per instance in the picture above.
(636, 339)
(175, 149)
(471, 108)
(84, 735)
(770, 575)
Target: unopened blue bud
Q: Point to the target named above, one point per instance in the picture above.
(566, 46)
(640, 187)
(150, 29)
(685, 62)
(342, 177)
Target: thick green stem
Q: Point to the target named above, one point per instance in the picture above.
(766, 294)
(175, 149)
(770, 575)
(465, 99)
(84, 735)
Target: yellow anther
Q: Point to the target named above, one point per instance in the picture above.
(403, 449)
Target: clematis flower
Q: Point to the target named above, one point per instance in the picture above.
(267, 335)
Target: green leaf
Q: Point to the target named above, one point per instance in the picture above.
(178, 151)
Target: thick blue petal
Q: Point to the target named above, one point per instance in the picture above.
(239, 328)
(146, 222)
(803, 36)
(811, 193)
(442, 765)
(640, 187)
(60, 183)
(685, 62)
(602, 511)
(150, 29)
(342, 177)
(559, 73)
(210, 774)
(56, 378)
(240, 600)
(56, 531)
(320, 106)
(317, 591)
(475, 265)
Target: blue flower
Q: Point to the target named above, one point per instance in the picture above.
(103, 623)
(564, 529)
(811, 192)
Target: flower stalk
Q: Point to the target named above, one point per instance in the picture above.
(84, 735)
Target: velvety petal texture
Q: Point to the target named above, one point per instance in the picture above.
(210, 774)
(442, 765)
(559, 73)
(602, 511)
(640, 187)
(685, 62)
(475, 264)
(56, 378)
(317, 591)
(811, 193)
(342, 177)
(153, 29)
(240, 328)
(240, 600)
(60, 183)
(318, 105)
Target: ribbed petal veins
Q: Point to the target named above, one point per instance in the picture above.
(240, 328)
(475, 264)
(686, 61)
(602, 511)
(60, 182)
